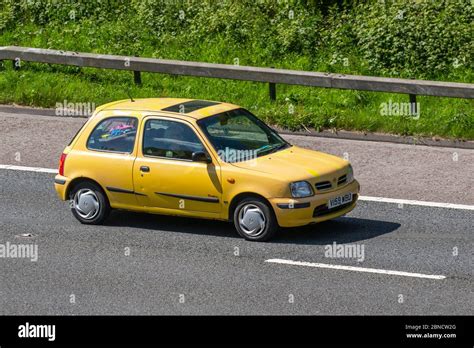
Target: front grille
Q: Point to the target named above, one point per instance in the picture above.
(342, 180)
(323, 209)
(323, 185)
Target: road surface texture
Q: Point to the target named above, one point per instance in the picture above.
(150, 264)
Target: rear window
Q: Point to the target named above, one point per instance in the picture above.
(115, 134)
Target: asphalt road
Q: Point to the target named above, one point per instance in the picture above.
(172, 259)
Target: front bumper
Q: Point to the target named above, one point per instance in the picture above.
(292, 212)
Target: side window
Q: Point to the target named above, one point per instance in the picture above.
(115, 134)
(170, 139)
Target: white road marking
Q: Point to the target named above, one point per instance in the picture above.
(28, 169)
(355, 269)
(422, 203)
(362, 198)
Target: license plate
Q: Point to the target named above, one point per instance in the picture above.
(340, 200)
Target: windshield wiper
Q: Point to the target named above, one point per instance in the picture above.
(264, 148)
(280, 147)
(275, 148)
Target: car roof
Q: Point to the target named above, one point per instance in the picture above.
(194, 108)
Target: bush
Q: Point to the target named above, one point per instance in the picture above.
(7, 13)
(274, 27)
(43, 12)
(415, 38)
(410, 38)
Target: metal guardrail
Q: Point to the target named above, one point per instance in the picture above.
(236, 72)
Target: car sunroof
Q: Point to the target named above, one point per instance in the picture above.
(190, 106)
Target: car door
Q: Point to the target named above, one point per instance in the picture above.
(166, 177)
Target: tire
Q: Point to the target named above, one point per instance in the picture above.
(89, 204)
(254, 220)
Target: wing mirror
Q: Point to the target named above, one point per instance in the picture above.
(201, 157)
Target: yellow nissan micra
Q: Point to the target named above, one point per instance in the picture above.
(201, 159)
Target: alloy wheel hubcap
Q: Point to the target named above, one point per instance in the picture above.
(252, 220)
(86, 204)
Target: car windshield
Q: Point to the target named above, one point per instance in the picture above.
(238, 135)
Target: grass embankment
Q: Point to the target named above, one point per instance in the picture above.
(426, 40)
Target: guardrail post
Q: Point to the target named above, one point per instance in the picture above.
(272, 89)
(137, 77)
(413, 106)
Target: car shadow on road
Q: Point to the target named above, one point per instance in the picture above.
(340, 230)
(166, 223)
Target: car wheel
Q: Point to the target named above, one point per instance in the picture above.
(254, 220)
(89, 204)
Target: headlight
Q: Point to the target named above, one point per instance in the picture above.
(350, 174)
(301, 189)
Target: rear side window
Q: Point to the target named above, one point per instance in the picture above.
(116, 134)
(163, 138)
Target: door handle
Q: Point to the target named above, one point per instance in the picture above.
(145, 169)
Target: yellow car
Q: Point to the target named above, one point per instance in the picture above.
(203, 159)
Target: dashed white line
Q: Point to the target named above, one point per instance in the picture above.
(355, 269)
(28, 169)
(411, 202)
(362, 198)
